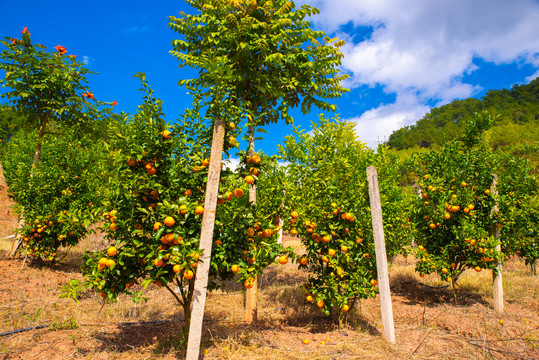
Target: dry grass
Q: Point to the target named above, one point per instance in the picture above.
(428, 324)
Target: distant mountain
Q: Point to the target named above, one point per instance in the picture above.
(517, 122)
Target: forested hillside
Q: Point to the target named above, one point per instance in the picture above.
(516, 125)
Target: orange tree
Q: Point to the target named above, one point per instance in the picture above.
(519, 191)
(328, 202)
(59, 195)
(454, 214)
(153, 208)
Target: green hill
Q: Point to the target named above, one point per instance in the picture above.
(516, 127)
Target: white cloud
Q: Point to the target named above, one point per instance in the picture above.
(420, 50)
(375, 125)
(232, 163)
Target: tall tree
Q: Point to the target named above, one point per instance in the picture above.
(45, 87)
(256, 60)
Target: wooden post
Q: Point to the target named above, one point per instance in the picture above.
(381, 257)
(280, 238)
(496, 275)
(206, 238)
(251, 295)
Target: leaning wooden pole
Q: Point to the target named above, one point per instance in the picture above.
(206, 238)
(497, 274)
(381, 257)
(251, 295)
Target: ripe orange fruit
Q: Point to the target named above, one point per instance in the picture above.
(294, 214)
(283, 260)
(463, 184)
(471, 207)
(188, 274)
(331, 252)
(345, 307)
(205, 162)
(306, 341)
(303, 261)
(112, 251)
(238, 192)
(344, 248)
(320, 303)
(131, 162)
(374, 282)
(249, 179)
(199, 210)
(358, 241)
(235, 268)
(256, 159)
(102, 261)
(447, 216)
(229, 195)
(156, 226)
(325, 259)
(444, 271)
(151, 170)
(169, 221)
(309, 298)
(166, 134)
(326, 238)
(453, 265)
(112, 227)
(432, 225)
(477, 268)
(249, 283)
(110, 263)
(487, 191)
(177, 268)
(231, 125)
(294, 231)
(187, 192)
(366, 256)
(158, 262)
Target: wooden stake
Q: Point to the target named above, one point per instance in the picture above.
(206, 239)
(497, 275)
(381, 257)
(251, 295)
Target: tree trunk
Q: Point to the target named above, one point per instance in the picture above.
(250, 313)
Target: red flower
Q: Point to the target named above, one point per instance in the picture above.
(61, 49)
(88, 95)
(73, 57)
(25, 31)
(114, 103)
(14, 41)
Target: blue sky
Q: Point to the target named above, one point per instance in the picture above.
(404, 56)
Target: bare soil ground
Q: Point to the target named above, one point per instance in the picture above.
(428, 322)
